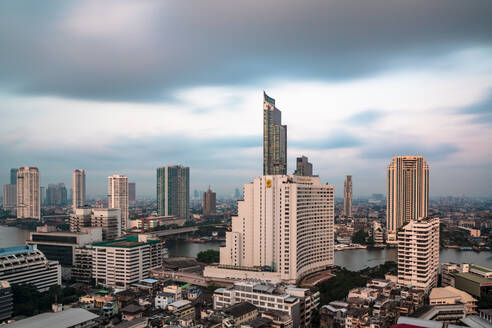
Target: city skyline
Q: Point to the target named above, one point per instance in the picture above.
(336, 91)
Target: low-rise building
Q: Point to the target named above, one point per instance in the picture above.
(451, 295)
(132, 312)
(163, 299)
(182, 310)
(450, 313)
(74, 317)
(28, 265)
(238, 314)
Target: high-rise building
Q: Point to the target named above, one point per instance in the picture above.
(118, 197)
(78, 188)
(132, 193)
(13, 176)
(408, 192)
(418, 253)
(304, 168)
(237, 194)
(109, 219)
(285, 224)
(28, 193)
(56, 194)
(347, 197)
(173, 191)
(274, 139)
(209, 202)
(9, 196)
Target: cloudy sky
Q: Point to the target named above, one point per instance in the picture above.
(127, 86)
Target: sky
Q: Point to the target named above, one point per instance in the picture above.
(123, 87)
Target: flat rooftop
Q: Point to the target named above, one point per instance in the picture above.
(63, 319)
(14, 250)
(470, 276)
(127, 242)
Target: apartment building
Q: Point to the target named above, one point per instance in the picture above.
(108, 219)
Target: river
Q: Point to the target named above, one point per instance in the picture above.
(355, 259)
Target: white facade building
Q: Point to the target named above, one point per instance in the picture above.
(283, 231)
(27, 265)
(78, 188)
(418, 254)
(119, 263)
(28, 193)
(118, 196)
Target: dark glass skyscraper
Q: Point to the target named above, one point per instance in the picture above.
(173, 191)
(13, 176)
(274, 139)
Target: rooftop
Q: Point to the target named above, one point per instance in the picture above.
(14, 250)
(240, 309)
(127, 242)
(470, 276)
(62, 319)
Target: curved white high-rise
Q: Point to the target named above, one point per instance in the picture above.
(78, 187)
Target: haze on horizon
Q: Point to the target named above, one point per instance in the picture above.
(128, 86)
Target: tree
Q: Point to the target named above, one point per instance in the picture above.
(359, 237)
(208, 256)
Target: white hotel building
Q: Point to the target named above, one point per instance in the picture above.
(418, 254)
(283, 231)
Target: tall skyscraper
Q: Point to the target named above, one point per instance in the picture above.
(347, 197)
(56, 194)
(28, 193)
(9, 196)
(13, 176)
(132, 193)
(173, 191)
(78, 188)
(418, 253)
(408, 192)
(304, 168)
(118, 196)
(284, 223)
(274, 139)
(209, 202)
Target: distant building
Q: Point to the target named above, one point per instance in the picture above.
(237, 194)
(173, 191)
(347, 197)
(118, 196)
(9, 196)
(28, 265)
(408, 192)
(56, 195)
(13, 176)
(120, 263)
(78, 188)
(274, 139)
(289, 238)
(74, 317)
(209, 202)
(304, 168)
(108, 219)
(418, 262)
(377, 233)
(132, 194)
(6, 301)
(28, 193)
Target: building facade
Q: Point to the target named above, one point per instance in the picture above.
(304, 168)
(120, 263)
(108, 219)
(347, 197)
(6, 301)
(173, 191)
(209, 202)
(56, 195)
(78, 188)
(132, 194)
(28, 193)
(274, 139)
(418, 254)
(407, 192)
(28, 265)
(13, 176)
(118, 196)
(9, 196)
(283, 230)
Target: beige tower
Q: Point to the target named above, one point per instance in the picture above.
(408, 192)
(209, 202)
(118, 196)
(28, 193)
(78, 187)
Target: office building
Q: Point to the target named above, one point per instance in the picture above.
(69, 318)
(451, 295)
(475, 280)
(78, 188)
(120, 263)
(27, 265)
(209, 202)
(56, 195)
(418, 254)
(13, 176)
(9, 196)
(6, 301)
(283, 231)
(132, 194)
(304, 168)
(28, 193)
(108, 219)
(173, 191)
(407, 192)
(347, 197)
(118, 196)
(274, 139)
